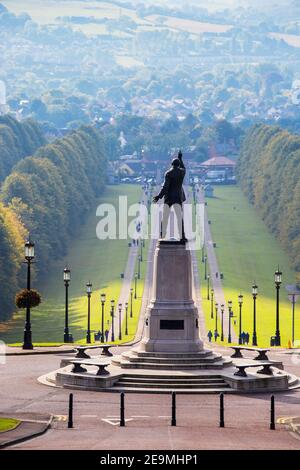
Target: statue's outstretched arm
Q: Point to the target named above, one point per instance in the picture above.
(181, 161)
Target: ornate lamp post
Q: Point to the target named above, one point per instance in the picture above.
(240, 322)
(126, 318)
(120, 322)
(205, 267)
(112, 313)
(293, 296)
(254, 295)
(216, 307)
(208, 278)
(229, 320)
(103, 299)
(139, 266)
(222, 322)
(202, 257)
(67, 279)
(89, 293)
(142, 246)
(131, 302)
(212, 304)
(278, 280)
(135, 285)
(29, 257)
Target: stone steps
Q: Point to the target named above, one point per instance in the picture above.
(125, 384)
(200, 354)
(170, 366)
(170, 381)
(168, 361)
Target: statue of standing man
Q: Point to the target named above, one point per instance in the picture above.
(173, 194)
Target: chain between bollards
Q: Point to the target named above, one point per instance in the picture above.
(173, 421)
(272, 421)
(70, 419)
(222, 422)
(122, 409)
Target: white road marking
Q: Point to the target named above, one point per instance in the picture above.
(89, 416)
(115, 422)
(140, 416)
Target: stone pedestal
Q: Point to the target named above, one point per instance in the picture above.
(171, 321)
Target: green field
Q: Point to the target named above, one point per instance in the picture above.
(247, 252)
(50, 12)
(8, 424)
(102, 262)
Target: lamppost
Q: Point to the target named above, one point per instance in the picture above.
(131, 302)
(142, 246)
(126, 318)
(120, 322)
(205, 267)
(254, 295)
(112, 313)
(222, 322)
(103, 299)
(208, 277)
(229, 320)
(278, 280)
(212, 304)
(216, 307)
(240, 322)
(202, 257)
(293, 298)
(29, 257)
(89, 293)
(67, 279)
(135, 285)
(139, 266)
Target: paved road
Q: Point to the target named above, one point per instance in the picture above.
(246, 417)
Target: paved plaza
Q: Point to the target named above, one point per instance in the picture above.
(96, 414)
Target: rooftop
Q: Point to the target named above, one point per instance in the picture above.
(219, 161)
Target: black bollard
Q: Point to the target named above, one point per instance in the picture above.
(70, 420)
(272, 422)
(122, 410)
(222, 423)
(173, 422)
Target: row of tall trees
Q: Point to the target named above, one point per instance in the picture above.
(269, 174)
(12, 235)
(17, 140)
(48, 195)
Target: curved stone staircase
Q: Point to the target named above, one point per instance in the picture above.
(184, 372)
(167, 383)
(136, 359)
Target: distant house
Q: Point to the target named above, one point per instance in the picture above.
(219, 170)
(219, 163)
(130, 168)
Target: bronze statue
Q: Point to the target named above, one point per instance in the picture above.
(173, 194)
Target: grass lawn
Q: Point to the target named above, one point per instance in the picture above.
(8, 424)
(101, 261)
(247, 252)
(137, 303)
